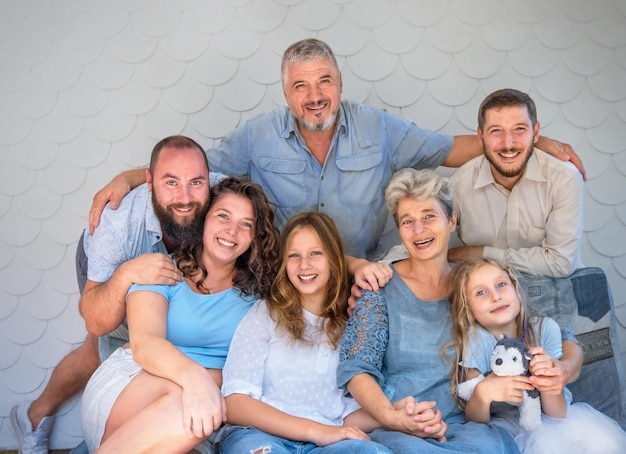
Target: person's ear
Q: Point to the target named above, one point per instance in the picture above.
(536, 132)
(453, 222)
(149, 179)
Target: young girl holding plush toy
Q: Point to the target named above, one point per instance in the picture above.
(487, 304)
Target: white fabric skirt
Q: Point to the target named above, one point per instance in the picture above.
(102, 390)
(584, 430)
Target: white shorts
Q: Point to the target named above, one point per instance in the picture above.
(102, 390)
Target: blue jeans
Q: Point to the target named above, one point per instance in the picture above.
(461, 438)
(239, 439)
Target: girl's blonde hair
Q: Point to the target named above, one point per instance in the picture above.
(463, 321)
(284, 303)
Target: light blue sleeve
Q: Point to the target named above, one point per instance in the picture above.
(551, 340)
(215, 177)
(413, 146)
(160, 289)
(478, 355)
(232, 155)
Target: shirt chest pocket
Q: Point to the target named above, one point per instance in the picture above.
(362, 179)
(283, 180)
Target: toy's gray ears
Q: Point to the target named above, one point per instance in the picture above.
(528, 356)
(503, 336)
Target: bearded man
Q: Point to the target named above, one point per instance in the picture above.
(516, 203)
(130, 245)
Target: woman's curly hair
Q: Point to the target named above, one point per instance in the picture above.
(255, 268)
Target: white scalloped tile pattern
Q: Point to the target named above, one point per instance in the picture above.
(87, 87)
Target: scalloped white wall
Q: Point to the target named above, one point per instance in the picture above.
(88, 86)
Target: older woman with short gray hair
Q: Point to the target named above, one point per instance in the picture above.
(390, 349)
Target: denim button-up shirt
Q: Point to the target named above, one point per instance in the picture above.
(368, 146)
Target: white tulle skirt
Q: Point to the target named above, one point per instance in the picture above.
(584, 430)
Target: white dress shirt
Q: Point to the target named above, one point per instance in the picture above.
(536, 227)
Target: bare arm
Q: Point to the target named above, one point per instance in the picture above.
(103, 304)
(203, 405)
(245, 410)
(562, 151)
(367, 423)
(463, 149)
(456, 254)
(466, 147)
(572, 361)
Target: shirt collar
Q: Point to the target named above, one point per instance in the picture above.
(152, 223)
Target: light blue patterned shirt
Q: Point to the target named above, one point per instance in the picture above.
(368, 146)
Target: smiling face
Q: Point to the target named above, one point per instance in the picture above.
(508, 137)
(313, 93)
(493, 300)
(228, 229)
(308, 268)
(424, 227)
(179, 183)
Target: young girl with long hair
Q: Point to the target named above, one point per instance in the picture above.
(486, 303)
(280, 374)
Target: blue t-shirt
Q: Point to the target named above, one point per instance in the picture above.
(201, 326)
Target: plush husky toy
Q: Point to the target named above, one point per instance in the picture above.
(510, 357)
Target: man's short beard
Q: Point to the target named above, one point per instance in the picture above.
(513, 172)
(320, 125)
(189, 232)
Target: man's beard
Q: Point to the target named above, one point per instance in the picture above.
(509, 173)
(319, 125)
(187, 231)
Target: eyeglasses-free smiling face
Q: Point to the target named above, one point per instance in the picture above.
(508, 138)
(313, 93)
(180, 193)
(308, 268)
(424, 227)
(493, 300)
(228, 228)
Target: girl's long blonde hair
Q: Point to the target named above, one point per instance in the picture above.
(284, 303)
(463, 321)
